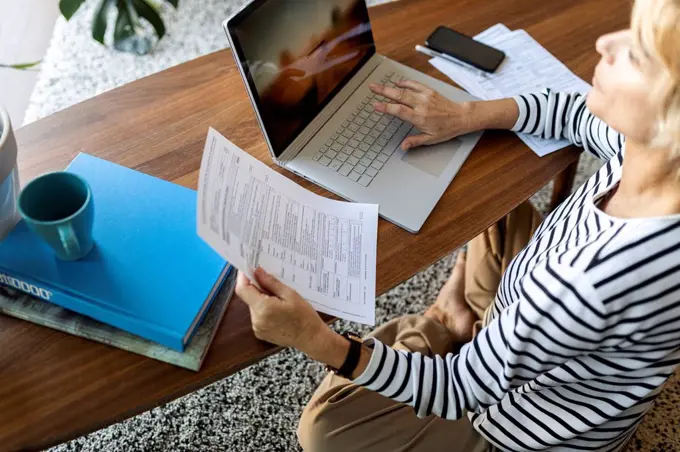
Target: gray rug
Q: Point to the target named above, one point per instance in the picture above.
(258, 408)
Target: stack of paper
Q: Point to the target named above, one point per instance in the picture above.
(528, 67)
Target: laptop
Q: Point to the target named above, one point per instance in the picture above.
(307, 66)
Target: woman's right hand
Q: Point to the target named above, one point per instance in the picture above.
(281, 316)
(438, 118)
(278, 313)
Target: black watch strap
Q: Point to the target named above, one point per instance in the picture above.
(353, 355)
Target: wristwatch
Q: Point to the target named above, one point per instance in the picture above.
(352, 359)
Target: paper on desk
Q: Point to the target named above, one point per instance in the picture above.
(492, 33)
(252, 215)
(528, 67)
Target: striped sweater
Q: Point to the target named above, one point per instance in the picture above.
(586, 321)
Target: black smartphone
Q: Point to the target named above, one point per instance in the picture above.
(464, 48)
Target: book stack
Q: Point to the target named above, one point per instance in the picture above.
(150, 286)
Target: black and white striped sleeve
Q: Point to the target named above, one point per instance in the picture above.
(556, 115)
(558, 317)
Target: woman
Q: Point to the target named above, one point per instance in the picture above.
(550, 335)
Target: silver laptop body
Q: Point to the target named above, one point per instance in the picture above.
(307, 66)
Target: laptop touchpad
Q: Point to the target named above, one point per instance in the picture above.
(432, 159)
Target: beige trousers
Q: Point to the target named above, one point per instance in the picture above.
(344, 417)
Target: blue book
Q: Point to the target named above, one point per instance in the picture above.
(149, 273)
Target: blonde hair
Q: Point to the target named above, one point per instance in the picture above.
(656, 32)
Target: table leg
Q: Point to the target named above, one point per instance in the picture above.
(563, 185)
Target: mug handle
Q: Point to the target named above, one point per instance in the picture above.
(69, 240)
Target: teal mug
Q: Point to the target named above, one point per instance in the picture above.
(59, 208)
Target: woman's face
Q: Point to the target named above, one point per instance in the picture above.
(621, 89)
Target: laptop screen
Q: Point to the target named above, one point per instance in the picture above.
(297, 54)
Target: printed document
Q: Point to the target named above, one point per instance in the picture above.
(528, 67)
(253, 216)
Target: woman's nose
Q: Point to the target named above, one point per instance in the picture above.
(605, 46)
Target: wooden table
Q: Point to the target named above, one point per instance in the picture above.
(55, 387)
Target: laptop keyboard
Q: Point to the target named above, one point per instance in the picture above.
(357, 149)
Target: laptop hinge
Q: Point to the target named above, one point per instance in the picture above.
(327, 113)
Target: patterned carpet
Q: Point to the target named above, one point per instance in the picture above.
(256, 409)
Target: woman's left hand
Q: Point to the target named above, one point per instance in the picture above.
(438, 118)
(280, 315)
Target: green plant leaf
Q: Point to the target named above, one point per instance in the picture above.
(149, 13)
(99, 23)
(125, 27)
(69, 7)
(125, 36)
(174, 3)
(21, 66)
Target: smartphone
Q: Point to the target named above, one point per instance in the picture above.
(464, 48)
